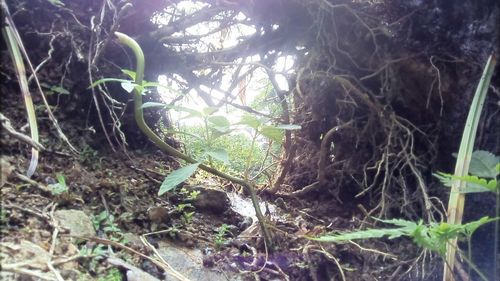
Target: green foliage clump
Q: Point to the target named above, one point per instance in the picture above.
(106, 222)
(237, 145)
(434, 236)
(220, 237)
(483, 171)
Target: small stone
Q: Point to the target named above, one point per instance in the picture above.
(78, 223)
(132, 240)
(211, 200)
(159, 215)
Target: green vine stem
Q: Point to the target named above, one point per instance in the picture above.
(139, 118)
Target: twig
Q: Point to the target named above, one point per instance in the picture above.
(165, 266)
(22, 137)
(32, 182)
(24, 271)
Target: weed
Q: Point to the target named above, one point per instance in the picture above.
(220, 239)
(60, 187)
(106, 222)
(113, 274)
(190, 195)
(94, 255)
(182, 207)
(187, 217)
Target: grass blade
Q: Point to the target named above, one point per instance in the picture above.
(457, 199)
(17, 59)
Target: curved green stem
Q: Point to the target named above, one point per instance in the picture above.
(139, 118)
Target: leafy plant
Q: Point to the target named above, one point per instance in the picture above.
(238, 147)
(190, 195)
(106, 222)
(59, 187)
(434, 236)
(182, 207)
(139, 117)
(113, 274)
(176, 177)
(214, 127)
(484, 169)
(220, 239)
(54, 90)
(187, 217)
(95, 255)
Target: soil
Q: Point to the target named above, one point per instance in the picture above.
(126, 186)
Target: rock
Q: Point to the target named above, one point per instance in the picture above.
(78, 223)
(159, 215)
(132, 240)
(133, 273)
(26, 250)
(189, 262)
(210, 200)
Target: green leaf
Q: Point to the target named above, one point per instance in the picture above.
(250, 121)
(128, 86)
(365, 234)
(474, 183)
(105, 80)
(482, 164)
(219, 123)
(273, 133)
(129, 73)
(60, 179)
(59, 187)
(177, 177)
(219, 154)
(59, 90)
(207, 111)
(472, 226)
(288, 127)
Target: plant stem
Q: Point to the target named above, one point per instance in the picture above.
(496, 246)
(139, 118)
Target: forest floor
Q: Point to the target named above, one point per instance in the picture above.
(114, 203)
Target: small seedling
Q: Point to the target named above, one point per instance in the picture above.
(220, 236)
(106, 222)
(59, 187)
(113, 274)
(187, 217)
(181, 207)
(190, 195)
(95, 254)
